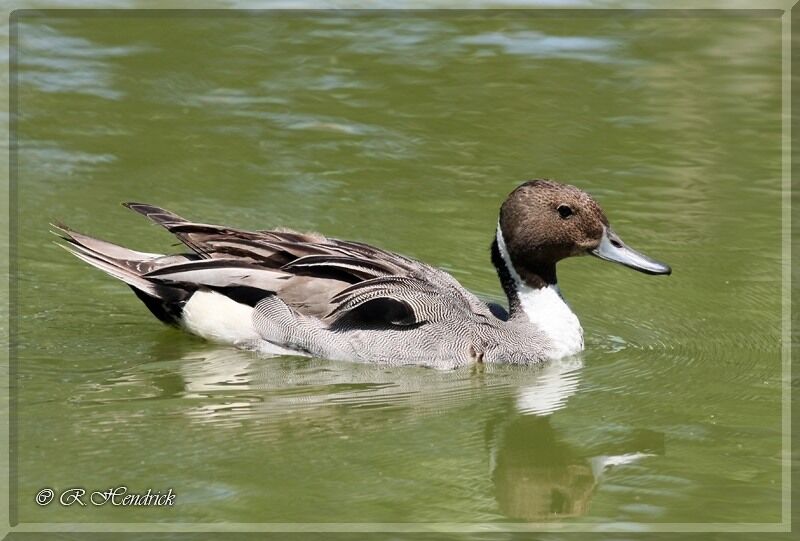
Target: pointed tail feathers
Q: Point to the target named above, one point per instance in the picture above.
(121, 263)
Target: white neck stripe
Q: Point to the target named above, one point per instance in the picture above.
(501, 245)
(546, 309)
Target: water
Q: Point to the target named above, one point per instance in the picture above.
(406, 131)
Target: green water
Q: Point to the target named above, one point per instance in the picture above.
(407, 131)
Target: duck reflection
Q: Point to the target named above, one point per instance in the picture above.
(536, 476)
(537, 472)
(539, 476)
(241, 383)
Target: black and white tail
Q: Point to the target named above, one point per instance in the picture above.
(165, 301)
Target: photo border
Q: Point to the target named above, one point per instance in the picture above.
(790, 44)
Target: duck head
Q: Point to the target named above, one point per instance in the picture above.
(542, 222)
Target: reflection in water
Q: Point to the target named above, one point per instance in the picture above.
(284, 384)
(538, 476)
(555, 383)
(536, 473)
(291, 382)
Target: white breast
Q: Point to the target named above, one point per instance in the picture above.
(547, 310)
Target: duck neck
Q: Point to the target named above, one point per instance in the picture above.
(534, 295)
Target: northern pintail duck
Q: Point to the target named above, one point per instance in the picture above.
(285, 292)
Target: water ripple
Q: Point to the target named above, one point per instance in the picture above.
(538, 44)
(54, 62)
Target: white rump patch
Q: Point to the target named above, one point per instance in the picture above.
(218, 318)
(545, 308)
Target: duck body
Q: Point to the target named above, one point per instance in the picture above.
(284, 292)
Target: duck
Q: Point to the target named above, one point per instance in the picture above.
(284, 292)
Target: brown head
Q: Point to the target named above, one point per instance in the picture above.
(542, 222)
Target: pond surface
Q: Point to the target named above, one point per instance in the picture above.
(407, 131)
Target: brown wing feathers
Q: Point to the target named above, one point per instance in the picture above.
(315, 275)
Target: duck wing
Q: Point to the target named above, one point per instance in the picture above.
(327, 278)
(399, 300)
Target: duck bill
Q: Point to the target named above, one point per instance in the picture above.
(612, 248)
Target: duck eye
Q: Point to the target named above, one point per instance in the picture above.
(564, 211)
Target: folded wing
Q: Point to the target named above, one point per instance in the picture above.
(326, 278)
